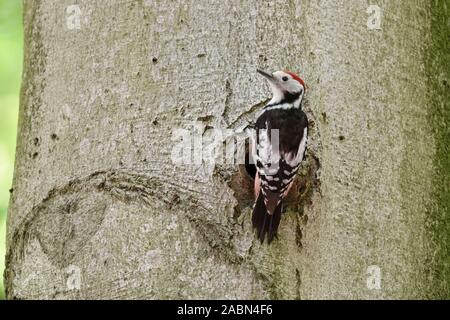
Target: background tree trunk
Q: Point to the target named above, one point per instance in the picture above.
(99, 210)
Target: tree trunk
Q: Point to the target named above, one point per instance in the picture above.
(99, 210)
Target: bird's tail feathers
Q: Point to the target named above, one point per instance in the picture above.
(266, 223)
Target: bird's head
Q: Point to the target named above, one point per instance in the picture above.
(287, 87)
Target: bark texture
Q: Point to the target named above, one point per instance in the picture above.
(99, 211)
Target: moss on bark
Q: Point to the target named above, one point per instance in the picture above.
(438, 84)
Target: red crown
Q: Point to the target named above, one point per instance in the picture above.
(296, 77)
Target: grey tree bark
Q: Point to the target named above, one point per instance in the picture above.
(99, 210)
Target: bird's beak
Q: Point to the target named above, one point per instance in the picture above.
(266, 75)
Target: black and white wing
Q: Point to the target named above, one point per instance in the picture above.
(281, 144)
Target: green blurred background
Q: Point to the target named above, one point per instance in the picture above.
(11, 44)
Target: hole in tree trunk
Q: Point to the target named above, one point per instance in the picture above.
(305, 184)
(243, 180)
(249, 167)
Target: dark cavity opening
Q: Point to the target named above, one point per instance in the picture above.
(249, 167)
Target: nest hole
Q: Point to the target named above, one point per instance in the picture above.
(305, 184)
(250, 168)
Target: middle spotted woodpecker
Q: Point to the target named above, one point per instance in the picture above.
(281, 134)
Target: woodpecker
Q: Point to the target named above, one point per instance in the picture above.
(278, 148)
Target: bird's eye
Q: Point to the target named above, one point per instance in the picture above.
(285, 78)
